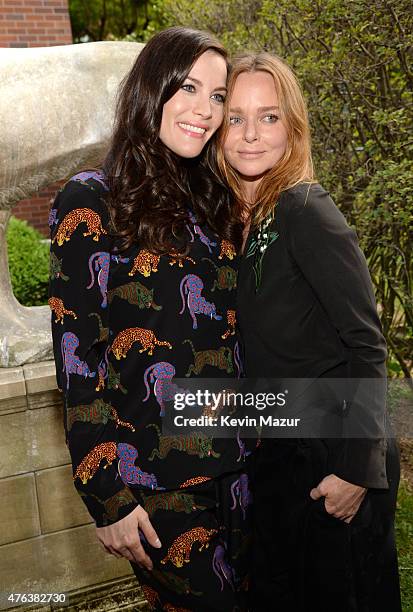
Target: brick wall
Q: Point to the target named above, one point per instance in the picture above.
(35, 23)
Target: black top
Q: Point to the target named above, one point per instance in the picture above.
(314, 312)
(124, 325)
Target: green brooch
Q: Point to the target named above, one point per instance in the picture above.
(260, 240)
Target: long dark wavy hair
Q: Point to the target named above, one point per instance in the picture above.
(150, 187)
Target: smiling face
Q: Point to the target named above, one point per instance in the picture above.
(195, 111)
(257, 138)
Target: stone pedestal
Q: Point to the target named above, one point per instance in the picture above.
(47, 538)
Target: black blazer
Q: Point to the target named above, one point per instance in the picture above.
(314, 314)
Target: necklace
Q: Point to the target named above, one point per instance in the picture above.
(260, 240)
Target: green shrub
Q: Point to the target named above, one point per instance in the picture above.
(28, 263)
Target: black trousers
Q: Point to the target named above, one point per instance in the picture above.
(305, 559)
(205, 532)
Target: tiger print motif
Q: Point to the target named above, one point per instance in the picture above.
(232, 321)
(96, 412)
(145, 263)
(134, 293)
(172, 500)
(90, 464)
(55, 268)
(191, 482)
(218, 358)
(196, 443)
(114, 503)
(180, 550)
(124, 340)
(57, 306)
(228, 249)
(73, 219)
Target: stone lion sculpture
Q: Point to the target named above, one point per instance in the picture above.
(56, 113)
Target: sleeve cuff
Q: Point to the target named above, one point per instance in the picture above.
(362, 462)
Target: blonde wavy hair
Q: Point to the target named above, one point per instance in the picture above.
(296, 165)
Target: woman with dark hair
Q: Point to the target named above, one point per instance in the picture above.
(324, 503)
(138, 300)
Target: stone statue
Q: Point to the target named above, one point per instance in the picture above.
(56, 115)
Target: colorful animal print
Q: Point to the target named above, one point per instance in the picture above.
(73, 219)
(192, 482)
(145, 263)
(97, 175)
(160, 375)
(195, 443)
(232, 321)
(221, 567)
(171, 500)
(114, 503)
(134, 293)
(196, 303)
(179, 259)
(103, 331)
(56, 305)
(151, 596)
(226, 276)
(198, 232)
(90, 464)
(96, 412)
(52, 220)
(227, 249)
(113, 379)
(100, 261)
(129, 472)
(240, 493)
(180, 550)
(102, 369)
(146, 337)
(71, 362)
(237, 360)
(243, 453)
(55, 269)
(220, 358)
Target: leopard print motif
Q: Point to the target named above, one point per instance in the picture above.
(90, 464)
(179, 259)
(180, 550)
(124, 340)
(194, 481)
(227, 248)
(151, 596)
(73, 219)
(145, 263)
(57, 306)
(232, 321)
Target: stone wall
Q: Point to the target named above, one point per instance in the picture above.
(47, 539)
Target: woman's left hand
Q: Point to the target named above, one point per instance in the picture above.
(342, 498)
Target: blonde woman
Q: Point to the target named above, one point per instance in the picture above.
(324, 508)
